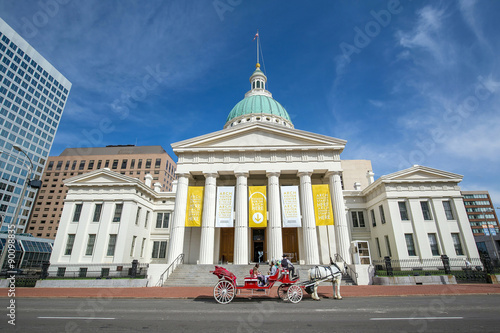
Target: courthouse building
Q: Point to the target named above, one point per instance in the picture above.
(259, 188)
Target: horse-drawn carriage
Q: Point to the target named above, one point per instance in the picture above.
(290, 289)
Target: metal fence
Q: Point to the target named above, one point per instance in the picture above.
(99, 271)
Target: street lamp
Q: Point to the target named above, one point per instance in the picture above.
(15, 217)
(491, 210)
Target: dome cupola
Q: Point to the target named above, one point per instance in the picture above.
(258, 105)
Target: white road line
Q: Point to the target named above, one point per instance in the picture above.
(419, 318)
(83, 318)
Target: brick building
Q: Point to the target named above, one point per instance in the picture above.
(128, 160)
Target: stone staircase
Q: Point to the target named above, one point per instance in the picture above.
(199, 275)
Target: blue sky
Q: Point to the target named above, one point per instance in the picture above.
(408, 82)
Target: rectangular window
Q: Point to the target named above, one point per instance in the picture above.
(162, 220)
(410, 245)
(104, 272)
(111, 245)
(132, 163)
(159, 249)
(388, 245)
(90, 245)
(142, 247)
(374, 221)
(425, 210)
(115, 164)
(124, 164)
(106, 164)
(132, 247)
(83, 272)
(147, 219)
(66, 167)
(403, 211)
(137, 215)
(118, 213)
(148, 163)
(99, 163)
(158, 163)
(139, 164)
(82, 165)
(382, 215)
(49, 167)
(61, 271)
(378, 247)
(73, 166)
(358, 220)
(448, 211)
(458, 244)
(97, 213)
(434, 244)
(78, 212)
(91, 165)
(59, 165)
(69, 244)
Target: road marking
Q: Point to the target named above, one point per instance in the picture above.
(84, 318)
(419, 318)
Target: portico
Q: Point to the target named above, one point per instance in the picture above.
(259, 146)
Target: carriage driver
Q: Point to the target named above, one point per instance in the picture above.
(286, 264)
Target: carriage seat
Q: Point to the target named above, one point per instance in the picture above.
(251, 281)
(274, 277)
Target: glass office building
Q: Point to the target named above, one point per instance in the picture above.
(32, 99)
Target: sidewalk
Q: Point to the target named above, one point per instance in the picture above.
(207, 292)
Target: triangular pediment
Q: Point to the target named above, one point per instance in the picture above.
(259, 136)
(101, 177)
(421, 173)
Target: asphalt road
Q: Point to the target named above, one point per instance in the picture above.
(472, 313)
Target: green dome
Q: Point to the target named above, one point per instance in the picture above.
(258, 104)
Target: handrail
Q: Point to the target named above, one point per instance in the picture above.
(346, 266)
(179, 258)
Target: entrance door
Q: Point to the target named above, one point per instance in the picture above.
(258, 245)
(226, 244)
(291, 243)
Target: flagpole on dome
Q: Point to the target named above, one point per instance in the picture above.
(257, 37)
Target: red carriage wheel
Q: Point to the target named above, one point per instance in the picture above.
(224, 292)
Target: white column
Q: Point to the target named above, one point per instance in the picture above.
(177, 232)
(241, 221)
(308, 219)
(208, 220)
(339, 213)
(275, 239)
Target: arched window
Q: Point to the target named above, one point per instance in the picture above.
(258, 84)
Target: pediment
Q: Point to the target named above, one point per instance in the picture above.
(101, 177)
(421, 173)
(259, 136)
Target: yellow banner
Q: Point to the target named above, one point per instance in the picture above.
(257, 212)
(194, 206)
(322, 204)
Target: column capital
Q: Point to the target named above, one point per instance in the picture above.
(301, 173)
(273, 173)
(331, 173)
(183, 174)
(211, 174)
(241, 174)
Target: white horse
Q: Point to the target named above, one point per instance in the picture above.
(325, 273)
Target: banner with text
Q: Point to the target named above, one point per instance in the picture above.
(290, 206)
(225, 207)
(194, 207)
(322, 204)
(257, 211)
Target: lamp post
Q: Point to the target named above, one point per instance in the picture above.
(15, 217)
(491, 210)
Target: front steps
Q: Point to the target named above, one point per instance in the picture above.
(199, 275)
